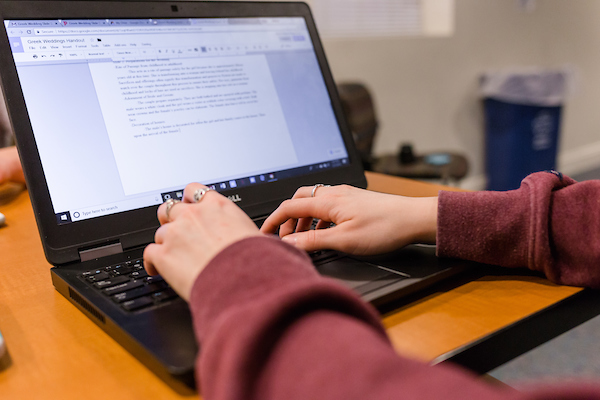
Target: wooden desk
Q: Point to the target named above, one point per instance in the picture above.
(57, 352)
(446, 320)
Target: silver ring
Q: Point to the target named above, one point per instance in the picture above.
(198, 194)
(318, 185)
(170, 203)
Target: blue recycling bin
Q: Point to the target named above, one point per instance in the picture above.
(520, 139)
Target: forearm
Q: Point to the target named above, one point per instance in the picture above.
(243, 304)
(10, 166)
(5, 130)
(274, 329)
(549, 224)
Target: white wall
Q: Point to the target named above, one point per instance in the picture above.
(426, 88)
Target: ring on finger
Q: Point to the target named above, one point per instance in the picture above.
(199, 194)
(170, 203)
(314, 190)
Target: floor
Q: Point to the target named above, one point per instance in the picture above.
(572, 355)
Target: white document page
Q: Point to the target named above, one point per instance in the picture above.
(196, 119)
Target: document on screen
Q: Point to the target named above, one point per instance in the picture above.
(188, 120)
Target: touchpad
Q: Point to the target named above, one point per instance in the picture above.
(358, 275)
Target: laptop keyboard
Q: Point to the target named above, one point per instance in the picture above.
(129, 285)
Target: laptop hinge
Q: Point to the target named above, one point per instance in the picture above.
(102, 251)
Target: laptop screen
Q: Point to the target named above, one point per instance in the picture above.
(126, 112)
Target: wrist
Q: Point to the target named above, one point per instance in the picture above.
(428, 211)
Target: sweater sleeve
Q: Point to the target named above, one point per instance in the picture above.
(550, 224)
(270, 327)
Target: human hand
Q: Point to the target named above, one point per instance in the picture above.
(10, 166)
(192, 234)
(365, 222)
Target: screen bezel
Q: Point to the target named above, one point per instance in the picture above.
(62, 243)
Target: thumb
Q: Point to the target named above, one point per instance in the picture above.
(312, 240)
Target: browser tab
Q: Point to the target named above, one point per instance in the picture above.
(92, 22)
(171, 22)
(209, 21)
(244, 21)
(24, 24)
(131, 22)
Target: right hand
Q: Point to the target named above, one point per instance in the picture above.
(365, 222)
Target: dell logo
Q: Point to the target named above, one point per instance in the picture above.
(235, 198)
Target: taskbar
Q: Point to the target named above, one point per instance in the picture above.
(263, 178)
(67, 217)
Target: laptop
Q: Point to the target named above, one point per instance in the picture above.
(117, 105)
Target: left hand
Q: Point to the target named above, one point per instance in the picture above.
(192, 235)
(10, 166)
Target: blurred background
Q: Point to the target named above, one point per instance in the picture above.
(422, 62)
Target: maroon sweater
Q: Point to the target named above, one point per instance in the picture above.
(271, 328)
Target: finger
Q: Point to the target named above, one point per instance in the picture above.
(310, 191)
(323, 224)
(163, 217)
(149, 257)
(291, 224)
(161, 213)
(188, 192)
(159, 235)
(315, 240)
(303, 192)
(295, 208)
(304, 224)
(286, 228)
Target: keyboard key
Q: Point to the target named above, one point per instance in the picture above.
(138, 303)
(155, 278)
(138, 274)
(111, 282)
(122, 270)
(98, 277)
(122, 287)
(164, 295)
(138, 292)
(92, 272)
(158, 286)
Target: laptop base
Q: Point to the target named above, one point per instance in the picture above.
(142, 333)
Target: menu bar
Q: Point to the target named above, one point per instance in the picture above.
(120, 48)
